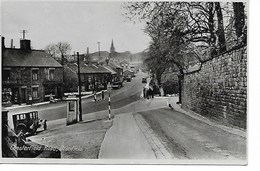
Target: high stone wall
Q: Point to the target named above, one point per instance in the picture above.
(219, 90)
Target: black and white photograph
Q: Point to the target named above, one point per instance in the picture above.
(124, 82)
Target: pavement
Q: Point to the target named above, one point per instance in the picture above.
(133, 137)
(124, 140)
(47, 102)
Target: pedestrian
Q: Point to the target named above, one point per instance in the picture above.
(103, 95)
(95, 96)
(149, 92)
(144, 93)
(154, 90)
(30, 99)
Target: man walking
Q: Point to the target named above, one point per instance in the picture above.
(102, 95)
(144, 93)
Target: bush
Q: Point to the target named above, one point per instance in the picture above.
(170, 87)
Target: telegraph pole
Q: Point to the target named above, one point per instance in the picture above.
(79, 85)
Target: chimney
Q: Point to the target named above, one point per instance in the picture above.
(12, 43)
(87, 56)
(25, 44)
(3, 43)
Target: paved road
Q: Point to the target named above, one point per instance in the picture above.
(189, 138)
(119, 97)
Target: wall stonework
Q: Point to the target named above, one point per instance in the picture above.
(219, 90)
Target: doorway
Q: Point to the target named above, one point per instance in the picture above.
(23, 95)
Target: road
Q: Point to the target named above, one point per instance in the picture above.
(119, 97)
(145, 129)
(189, 138)
(128, 94)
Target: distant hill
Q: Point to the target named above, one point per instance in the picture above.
(117, 56)
(139, 57)
(94, 57)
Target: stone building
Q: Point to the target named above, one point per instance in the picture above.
(93, 77)
(29, 75)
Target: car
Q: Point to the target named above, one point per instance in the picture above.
(28, 122)
(144, 80)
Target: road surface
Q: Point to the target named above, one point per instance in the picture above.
(119, 97)
(189, 138)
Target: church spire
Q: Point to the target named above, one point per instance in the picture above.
(112, 48)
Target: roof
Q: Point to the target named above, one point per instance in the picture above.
(89, 69)
(129, 71)
(21, 58)
(124, 62)
(110, 69)
(114, 65)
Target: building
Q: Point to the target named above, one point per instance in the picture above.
(29, 75)
(93, 77)
(125, 65)
(128, 73)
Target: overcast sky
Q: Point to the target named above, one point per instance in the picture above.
(82, 24)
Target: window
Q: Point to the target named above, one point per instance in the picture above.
(51, 74)
(35, 92)
(35, 75)
(6, 75)
(71, 106)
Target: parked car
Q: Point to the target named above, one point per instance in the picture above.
(28, 122)
(144, 80)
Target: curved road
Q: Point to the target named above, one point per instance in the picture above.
(119, 97)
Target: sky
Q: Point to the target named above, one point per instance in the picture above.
(80, 23)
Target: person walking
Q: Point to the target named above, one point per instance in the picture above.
(144, 93)
(95, 96)
(102, 95)
(153, 90)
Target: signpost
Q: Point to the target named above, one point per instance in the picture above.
(109, 88)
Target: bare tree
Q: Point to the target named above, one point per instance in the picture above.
(239, 15)
(220, 30)
(63, 48)
(51, 49)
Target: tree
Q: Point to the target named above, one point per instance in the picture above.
(60, 49)
(51, 49)
(220, 30)
(239, 15)
(63, 48)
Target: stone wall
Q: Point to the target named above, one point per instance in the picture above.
(219, 90)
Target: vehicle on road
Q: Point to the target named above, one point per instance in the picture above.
(117, 82)
(144, 80)
(28, 122)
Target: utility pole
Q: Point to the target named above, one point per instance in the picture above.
(79, 85)
(98, 48)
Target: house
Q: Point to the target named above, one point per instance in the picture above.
(128, 73)
(93, 77)
(124, 64)
(29, 75)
